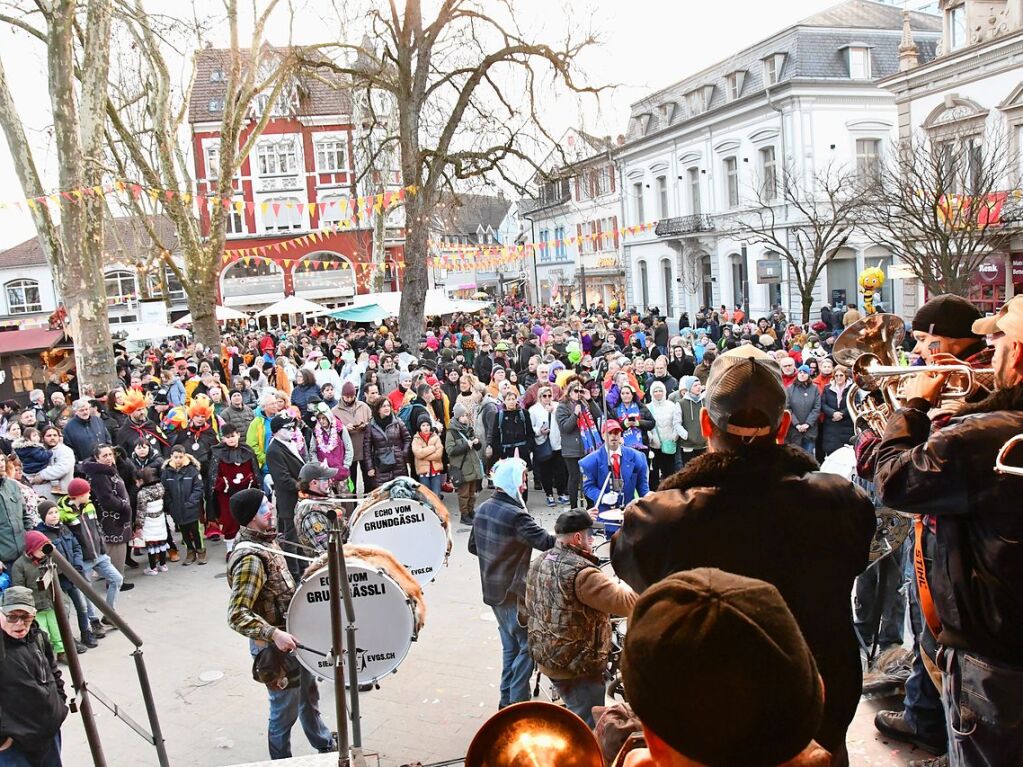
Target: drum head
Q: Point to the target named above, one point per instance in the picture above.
(383, 617)
(408, 529)
(841, 462)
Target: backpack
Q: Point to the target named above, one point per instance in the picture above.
(407, 413)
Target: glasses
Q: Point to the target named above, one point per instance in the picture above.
(545, 396)
(22, 618)
(575, 391)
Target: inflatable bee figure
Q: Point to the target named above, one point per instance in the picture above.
(871, 280)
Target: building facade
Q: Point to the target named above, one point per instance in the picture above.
(972, 90)
(575, 225)
(467, 233)
(300, 177)
(702, 153)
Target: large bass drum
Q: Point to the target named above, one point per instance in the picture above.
(409, 529)
(384, 616)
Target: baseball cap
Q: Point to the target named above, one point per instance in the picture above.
(572, 521)
(18, 598)
(947, 315)
(1008, 320)
(745, 395)
(315, 470)
(611, 425)
(281, 421)
(712, 634)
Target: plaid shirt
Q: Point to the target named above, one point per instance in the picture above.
(248, 576)
(503, 537)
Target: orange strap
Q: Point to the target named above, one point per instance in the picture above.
(926, 601)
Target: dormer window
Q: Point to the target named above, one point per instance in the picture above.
(734, 81)
(859, 61)
(698, 101)
(773, 66)
(216, 106)
(217, 75)
(955, 19)
(667, 111)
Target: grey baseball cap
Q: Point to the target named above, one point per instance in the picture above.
(315, 470)
(18, 598)
(745, 395)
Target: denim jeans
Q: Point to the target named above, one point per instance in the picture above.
(517, 664)
(807, 444)
(581, 695)
(880, 604)
(106, 570)
(433, 482)
(982, 706)
(300, 703)
(16, 757)
(81, 606)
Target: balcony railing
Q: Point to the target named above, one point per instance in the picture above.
(684, 225)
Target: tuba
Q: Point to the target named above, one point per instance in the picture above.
(875, 339)
(534, 734)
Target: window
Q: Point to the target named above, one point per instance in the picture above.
(772, 68)
(234, 218)
(735, 81)
(868, 157)
(277, 158)
(545, 251)
(768, 174)
(859, 63)
(216, 106)
(669, 288)
(23, 297)
(330, 210)
(283, 215)
(644, 285)
(561, 251)
(212, 161)
(637, 195)
(121, 287)
(553, 192)
(956, 27)
(662, 196)
(331, 156)
(281, 107)
(216, 75)
(732, 182)
(694, 190)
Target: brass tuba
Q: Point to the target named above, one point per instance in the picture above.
(531, 734)
(875, 339)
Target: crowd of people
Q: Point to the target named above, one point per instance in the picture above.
(706, 439)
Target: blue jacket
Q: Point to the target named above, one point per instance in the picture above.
(176, 393)
(66, 543)
(635, 475)
(83, 436)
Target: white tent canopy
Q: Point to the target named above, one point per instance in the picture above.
(153, 332)
(224, 313)
(437, 302)
(292, 305)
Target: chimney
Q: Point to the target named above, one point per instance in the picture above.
(909, 56)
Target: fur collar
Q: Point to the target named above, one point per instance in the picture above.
(752, 466)
(1002, 399)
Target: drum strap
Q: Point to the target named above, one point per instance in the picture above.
(250, 545)
(926, 601)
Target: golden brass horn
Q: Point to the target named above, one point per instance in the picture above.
(534, 734)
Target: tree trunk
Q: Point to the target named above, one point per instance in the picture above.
(806, 299)
(411, 317)
(203, 273)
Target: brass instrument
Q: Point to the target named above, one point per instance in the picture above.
(1001, 462)
(531, 734)
(869, 348)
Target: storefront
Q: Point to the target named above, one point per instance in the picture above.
(988, 286)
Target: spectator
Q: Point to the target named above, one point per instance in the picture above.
(84, 431)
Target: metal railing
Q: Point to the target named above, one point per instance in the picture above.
(699, 222)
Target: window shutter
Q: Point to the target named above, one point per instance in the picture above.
(578, 189)
(611, 171)
(614, 227)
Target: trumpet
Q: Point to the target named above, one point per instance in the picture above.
(868, 371)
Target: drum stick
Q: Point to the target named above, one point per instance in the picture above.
(310, 649)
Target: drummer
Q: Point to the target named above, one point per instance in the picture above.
(314, 511)
(615, 474)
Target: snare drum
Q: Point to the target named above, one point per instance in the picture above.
(612, 520)
(410, 530)
(383, 616)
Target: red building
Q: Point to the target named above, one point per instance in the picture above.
(301, 177)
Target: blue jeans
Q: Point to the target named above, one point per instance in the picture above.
(982, 705)
(16, 757)
(433, 482)
(300, 703)
(581, 695)
(807, 444)
(106, 570)
(517, 664)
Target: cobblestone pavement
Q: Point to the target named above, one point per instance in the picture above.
(212, 712)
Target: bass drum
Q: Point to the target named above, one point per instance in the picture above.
(383, 616)
(410, 530)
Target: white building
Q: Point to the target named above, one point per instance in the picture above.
(574, 223)
(973, 88)
(804, 100)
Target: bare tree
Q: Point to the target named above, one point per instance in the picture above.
(145, 125)
(466, 84)
(77, 40)
(804, 222)
(941, 205)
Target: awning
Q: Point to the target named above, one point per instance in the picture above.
(437, 303)
(367, 313)
(153, 332)
(223, 313)
(292, 305)
(31, 340)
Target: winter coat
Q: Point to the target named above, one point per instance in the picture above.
(355, 418)
(27, 573)
(131, 432)
(765, 512)
(379, 442)
(58, 473)
(240, 418)
(182, 491)
(198, 444)
(646, 423)
(387, 381)
(258, 436)
(284, 465)
(428, 454)
(512, 430)
(691, 423)
(465, 462)
(948, 474)
(110, 496)
(84, 526)
(83, 436)
(300, 398)
(835, 434)
(66, 544)
(14, 520)
(568, 426)
(804, 402)
(340, 458)
(667, 423)
(31, 690)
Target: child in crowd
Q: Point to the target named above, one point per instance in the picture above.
(29, 448)
(428, 451)
(67, 545)
(27, 572)
(151, 521)
(183, 494)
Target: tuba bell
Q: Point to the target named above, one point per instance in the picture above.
(875, 339)
(531, 734)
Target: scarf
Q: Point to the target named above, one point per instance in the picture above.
(326, 443)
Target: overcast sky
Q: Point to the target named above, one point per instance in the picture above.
(646, 45)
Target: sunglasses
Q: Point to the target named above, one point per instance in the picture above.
(22, 618)
(545, 396)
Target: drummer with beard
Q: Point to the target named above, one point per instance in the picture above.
(313, 513)
(261, 591)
